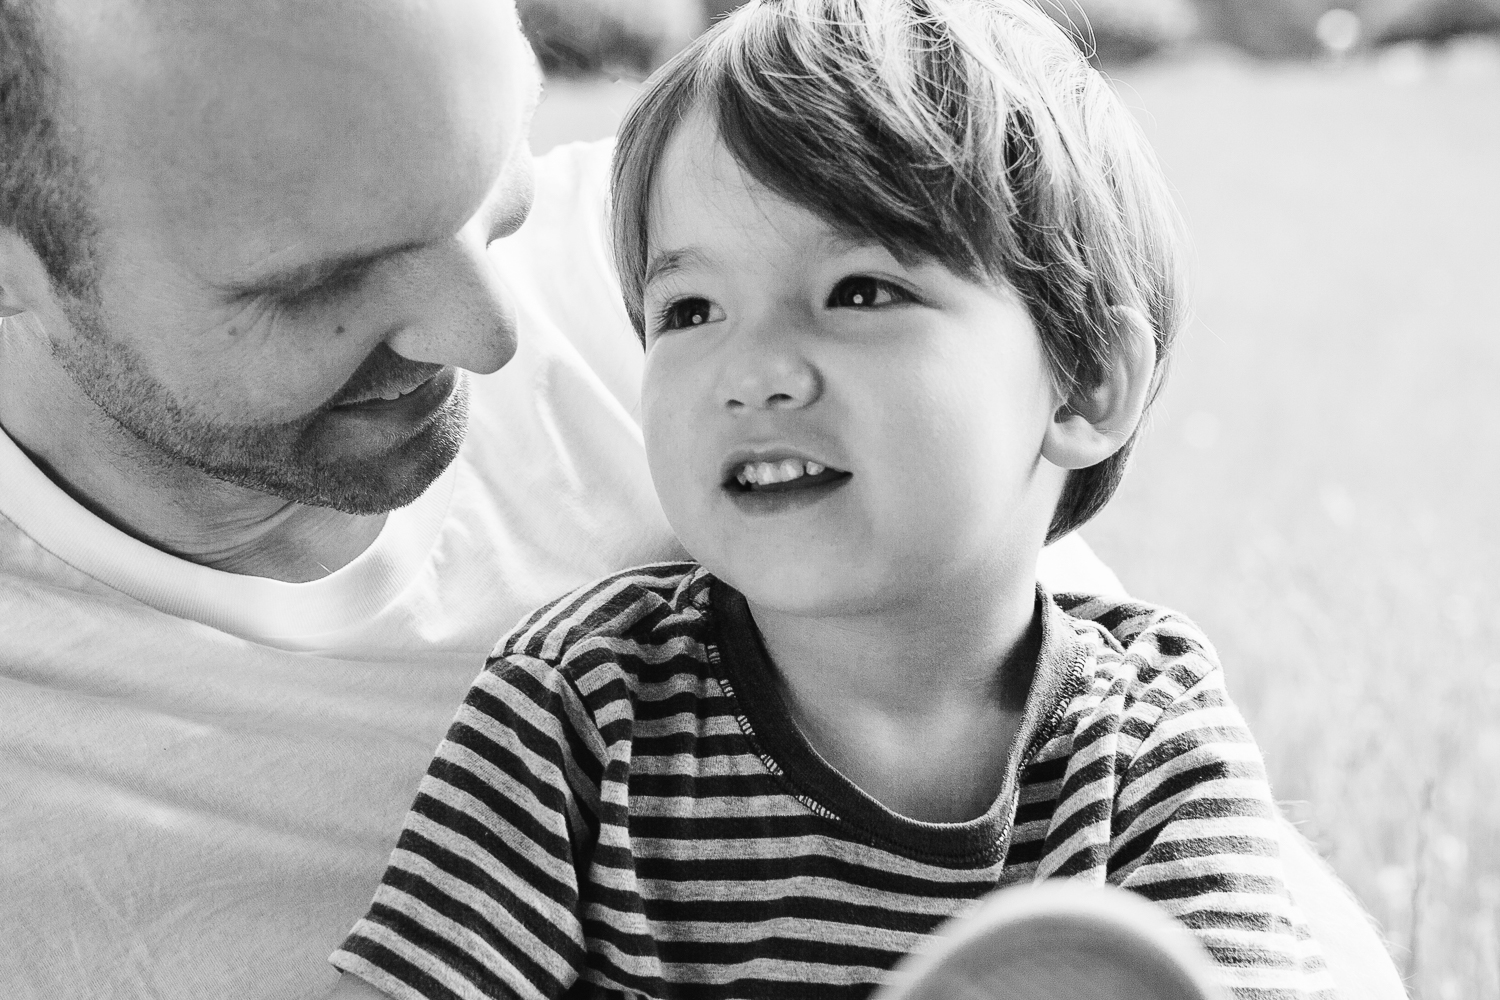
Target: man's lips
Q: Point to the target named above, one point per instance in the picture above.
(390, 393)
(409, 408)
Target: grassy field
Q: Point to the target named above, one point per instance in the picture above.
(1318, 484)
(1319, 487)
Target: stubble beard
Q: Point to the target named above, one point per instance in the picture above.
(275, 458)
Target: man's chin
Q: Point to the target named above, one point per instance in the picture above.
(329, 470)
(368, 457)
(379, 488)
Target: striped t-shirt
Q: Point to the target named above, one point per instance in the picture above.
(623, 806)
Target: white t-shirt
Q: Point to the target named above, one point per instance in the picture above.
(202, 774)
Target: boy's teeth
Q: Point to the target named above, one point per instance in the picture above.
(784, 471)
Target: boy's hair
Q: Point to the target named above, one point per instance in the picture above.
(972, 132)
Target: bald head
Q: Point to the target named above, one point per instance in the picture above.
(226, 102)
(266, 116)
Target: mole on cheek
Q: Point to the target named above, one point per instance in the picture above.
(338, 331)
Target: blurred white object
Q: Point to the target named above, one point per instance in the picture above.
(1339, 31)
(1059, 940)
(1472, 57)
(1404, 64)
(1068, 565)
(1201, 430)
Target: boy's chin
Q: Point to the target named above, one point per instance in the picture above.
(804, 590)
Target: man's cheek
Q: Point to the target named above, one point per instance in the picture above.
(245, 391)
(266, 382)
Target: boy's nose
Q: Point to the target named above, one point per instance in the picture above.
(770, 380)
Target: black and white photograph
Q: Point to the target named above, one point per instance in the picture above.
(749, 499)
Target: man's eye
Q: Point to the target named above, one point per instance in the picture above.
(688, 312)
(864, 292)
(323, 292)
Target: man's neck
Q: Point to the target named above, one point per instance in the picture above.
(179, 510)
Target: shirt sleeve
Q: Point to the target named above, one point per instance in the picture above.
(1195, 831)
(481, 895)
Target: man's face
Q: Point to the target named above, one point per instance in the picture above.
(294, 202)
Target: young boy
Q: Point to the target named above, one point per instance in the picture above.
(907, 280)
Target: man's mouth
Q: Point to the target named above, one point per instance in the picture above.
(386, 395)
(782, 475)
(385, 378)
(397, 407)
(398, 393)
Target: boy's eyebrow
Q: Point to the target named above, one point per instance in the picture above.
(839, 241)
(667, 262)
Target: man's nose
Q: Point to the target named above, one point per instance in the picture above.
(463, 314)
(767, 369)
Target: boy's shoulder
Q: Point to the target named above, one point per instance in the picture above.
(1138, 658)
(624, 613)
(1143, 716)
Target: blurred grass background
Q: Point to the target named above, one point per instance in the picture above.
(1318, 483)
(589, 37)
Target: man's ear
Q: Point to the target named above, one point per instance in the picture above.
(24, 286)
(1096, 422)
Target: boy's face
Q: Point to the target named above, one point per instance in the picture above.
(832, 431)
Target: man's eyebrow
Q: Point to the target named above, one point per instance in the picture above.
(299, 279)
(668, 262)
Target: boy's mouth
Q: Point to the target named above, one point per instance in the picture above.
(781, 475)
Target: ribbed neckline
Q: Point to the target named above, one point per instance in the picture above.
(264, 610)
(979, 842)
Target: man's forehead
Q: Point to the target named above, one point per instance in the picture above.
(349, 28)
(285, 123)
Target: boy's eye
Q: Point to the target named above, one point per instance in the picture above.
(864, 292)
(687, 312)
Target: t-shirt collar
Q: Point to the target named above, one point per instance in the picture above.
(747, 667)
(290, 615)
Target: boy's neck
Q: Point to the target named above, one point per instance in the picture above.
(917, 707)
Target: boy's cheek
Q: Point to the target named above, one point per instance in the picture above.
(678, 432)
(680, 484)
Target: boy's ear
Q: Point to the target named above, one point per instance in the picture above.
(24, 286)
(1096, 422)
